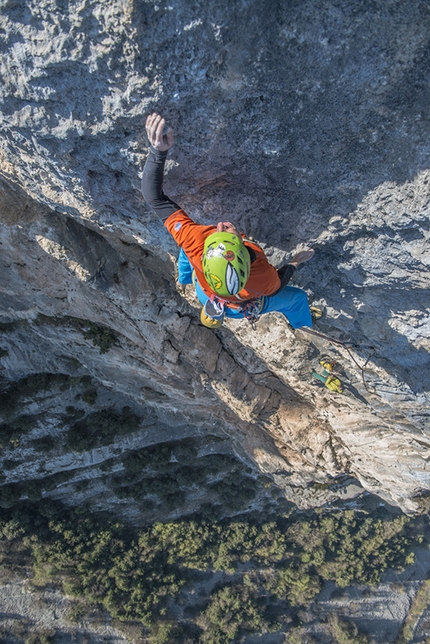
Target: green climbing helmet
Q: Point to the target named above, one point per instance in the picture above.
(226, 263)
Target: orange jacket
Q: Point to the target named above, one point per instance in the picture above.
(263, 278)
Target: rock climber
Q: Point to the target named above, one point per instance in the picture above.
(231, 274)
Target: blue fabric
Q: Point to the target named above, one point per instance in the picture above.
(293, 303)
(185, 270)
(290, 301)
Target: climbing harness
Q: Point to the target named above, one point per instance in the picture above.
(251, 311)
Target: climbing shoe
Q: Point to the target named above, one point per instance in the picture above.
(316, 313)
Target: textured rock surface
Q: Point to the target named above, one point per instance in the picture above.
(304, 123)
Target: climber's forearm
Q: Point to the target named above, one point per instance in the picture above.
(286, 273)
(152, 185)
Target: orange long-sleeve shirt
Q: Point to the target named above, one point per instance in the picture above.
(190, 236)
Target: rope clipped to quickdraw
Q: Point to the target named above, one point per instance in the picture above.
(251, 312)
(362, 368)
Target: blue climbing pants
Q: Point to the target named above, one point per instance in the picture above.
(291, 301)
(185, 270)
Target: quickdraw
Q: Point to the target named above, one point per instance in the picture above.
(252, 310)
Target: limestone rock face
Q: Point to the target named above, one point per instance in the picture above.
(304, 123)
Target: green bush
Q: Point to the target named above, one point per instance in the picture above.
(12, 399)
(73, 413)
(210, 511)
(156, 457)
(168, 489)
(107, 465)
(10, 494)
(235, 491)
(12, 431)
(137, 490)
(31, 385)
(11, 529)
(232, 611)
(190, 476)
(345, 632)
(44, 444)
(90, 395)
(33, 490)
(8, 327)
(54, 480)
(186, 451)
(215, 463)
(101, 428)
(46, 636)
(78, 612)
(296, 584)
(100, 336)
(10, 464)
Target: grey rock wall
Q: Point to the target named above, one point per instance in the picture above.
(304, 123)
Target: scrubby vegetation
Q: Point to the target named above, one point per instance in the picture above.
(32, 489)
(100, 336)
(16, 424)
(345, 632)
(100, 428)
(418, 605)
(44, 444)
(12, 394)
(12, 432)
(13, 423)
(155, 472)
(265, 568)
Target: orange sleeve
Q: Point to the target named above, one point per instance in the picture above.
(187, 234)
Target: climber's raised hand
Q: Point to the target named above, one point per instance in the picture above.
(160, 136)
(302, 256)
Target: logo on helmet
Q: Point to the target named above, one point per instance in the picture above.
(218, 251)
(216, 282)
(229, 256)
(231, 280)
